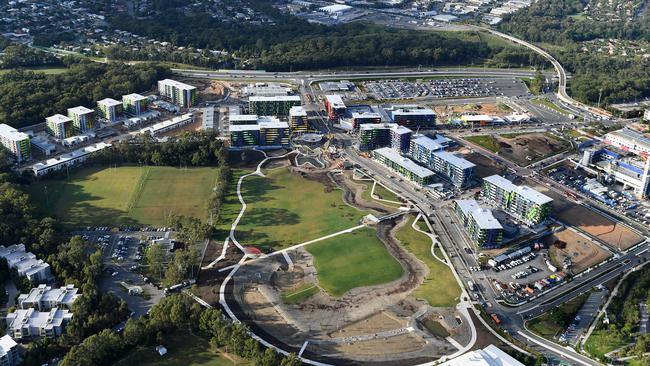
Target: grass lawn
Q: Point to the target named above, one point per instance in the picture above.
(550, 105)
(182, 349)
(435, 328)
(485, 141)
(602, 341)
(440, 287)
(300, 294)
(384, 193)
(353, 260)
(365, 194)
(284, 209)
(546, 327)
(125, 195)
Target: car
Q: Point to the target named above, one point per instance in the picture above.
(114, 274)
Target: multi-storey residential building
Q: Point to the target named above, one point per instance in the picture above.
(16, 142)
(10, 353)
(242, 136)
(412, 116)
(82, 118)
(273, 106)
(404, 166)
(45, 298)
(430, 153)
(178, 93)
(360, 118)
(376, 135)
(67, 160)
(482, 227)
(30, 323)
(274, 133)
(646, 115)
(521, 202)
(422, 149)
(25, 263)
(334, 106)
(110, 109)
(59, 126)
(629, 140)
(135, 104)
(243, 119)
(298, 119)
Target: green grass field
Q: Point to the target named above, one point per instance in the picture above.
(182, 349)
(440, 287)
(284, 209)
(602, 341)
(546, 327)
(485, 141)
(384, 193)
(125, 195)
(300, 294)
(353, 260)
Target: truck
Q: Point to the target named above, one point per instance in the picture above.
(495, 319)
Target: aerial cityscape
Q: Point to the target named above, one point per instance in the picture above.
(289, 182)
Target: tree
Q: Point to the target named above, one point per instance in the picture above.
(156, 259)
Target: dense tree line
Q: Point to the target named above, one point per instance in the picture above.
(27, 98)
(176, 313)
(15, 55)
(149, 52)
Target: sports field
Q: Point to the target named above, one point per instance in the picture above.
(440, 288)
(284, 209)
(353, 260)
(126, 195)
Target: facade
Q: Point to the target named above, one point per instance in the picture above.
(82, 118)
(421, 149)
(67, 160)
(403, 166)
(298, 121)
(168, 125)
(30, 323)
(430, 153)
(521, 202)
(377, 135)
(243, 136)
(10, 353)
(274, 133)
(359, 119)
(334, 106)
(17, 143)
(273, 106)
(110, 109)
(629, 140)
(135, 104)
(265, 132)
(59, 126)
(646, 115)
(412, 116)
(45, 298)
(484, 230)
(25, 263)
(178, 93)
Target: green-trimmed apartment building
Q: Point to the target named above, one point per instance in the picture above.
(135, 104)
(521, 202)
(403, 166)
(298, 119)
(181, 94)
(17, 143)
(83, 119)
(59, 126)
(273, 106)
(481, 226)
(110, 109)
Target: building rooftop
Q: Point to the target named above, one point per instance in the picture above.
(64, 295)
(391, 126)
(272, 122)
(297, 111)
(485, 220)
(524, 191)
(109, 102)
(476, 117)
(454, 160)
(406, 163)
(427, 143)
(58, 118)
(38, 319)
(80, 110)
(70, 156)
(134, 97)
(335, 100)
(242, 118)
(12, 134)
(336, 8)
(467, 206)
(6, 344)
(626, 133)
(488, 356)
(278, 98)
(238, 128)
(177, 84)
(366, 115)
(415, 110)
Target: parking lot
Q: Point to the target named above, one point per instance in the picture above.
(445, 88)
(123, 253)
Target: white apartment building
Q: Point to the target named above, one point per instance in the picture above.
(9, 351)
(30, 323)
(36, 270)
(45, 298)
(178, 93)
(16, 142)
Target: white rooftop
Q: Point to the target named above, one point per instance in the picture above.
(272, 123)
(476, 117)
(58, 118)
(413, 111)
(335, 101)
(237, 128)
(391, 126)
(297, 111)
(427, 143)
(283, 98)
(524, 191)
(365, 115)
(488, 356)
(12, 134)
(70, 156)
(177, 84)
(406, 163)
(454, 160)
(242, 117)
(109, 102)
(6, 344)
(485, 220)
(134, 97)
(80, 110)
(336, 8)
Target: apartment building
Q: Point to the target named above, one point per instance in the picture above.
(403, 166)
(181, 94)
(244, 136)
(135, 104)
(45, 298)
(17, 143)
(430, 153)
(274, 133)
(59, 126)
(110, 109)
(298, 121)
(31, 323)
(521, 202)
(629, 140)
(10, 352)
(82, 118)
(25, 263)
(67, 160)
(334, 106)
(412, 116)
(279, 105)
(481, 226)
(372, 136)
(361, 118)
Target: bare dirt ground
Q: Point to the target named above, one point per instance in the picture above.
(583, 252)
(485, 108)
(524, 149)
(485, 166)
